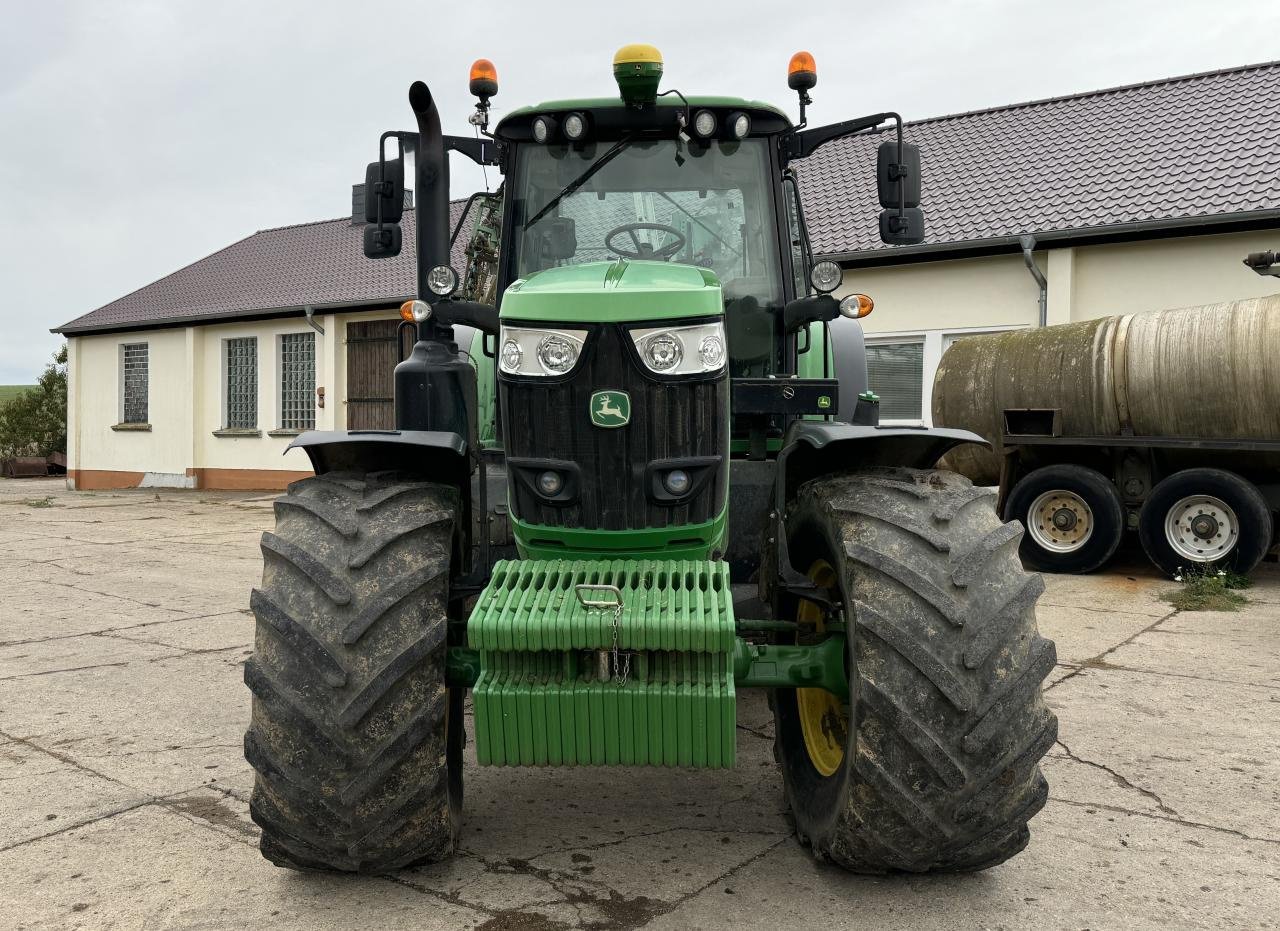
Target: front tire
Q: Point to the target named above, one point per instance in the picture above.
(355, 738)
(1073, 517)
(1205, 517)
(934, 763)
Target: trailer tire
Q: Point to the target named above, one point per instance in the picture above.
(355, 738)
(1083, 496)
(940, 768)
(1234, 506)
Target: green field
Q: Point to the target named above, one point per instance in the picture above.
(9, 392)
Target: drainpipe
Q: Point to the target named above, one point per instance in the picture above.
(311, 319)
(1028, 246)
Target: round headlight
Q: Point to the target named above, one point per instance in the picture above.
(557, 353)
(442, 280)
(856, 306)
(550, 483)
(711, 351)
(704, 123)
(663, 352)
(677, 481)
(420, 310)
(825, 276)
(512, 356)
(739, 125)
(575, 126)
(543, 128)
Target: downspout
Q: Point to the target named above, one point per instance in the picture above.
(311, 319)
(1028, 246)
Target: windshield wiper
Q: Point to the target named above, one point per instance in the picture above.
(581, 179)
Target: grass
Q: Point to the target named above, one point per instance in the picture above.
(9, 392)
(1208, 589)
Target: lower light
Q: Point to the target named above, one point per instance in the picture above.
(677, 481)
(550, 483)
(663, 352)
(557, 354)
(512, 355)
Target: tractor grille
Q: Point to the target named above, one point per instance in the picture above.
(669, 420)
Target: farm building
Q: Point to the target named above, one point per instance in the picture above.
(1121, 200)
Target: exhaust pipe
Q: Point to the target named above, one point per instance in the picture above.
(431, 177)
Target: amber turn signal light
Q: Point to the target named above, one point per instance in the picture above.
(856, 306)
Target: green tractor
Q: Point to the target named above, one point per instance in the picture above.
(636, 469)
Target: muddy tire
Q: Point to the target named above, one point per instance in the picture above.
(355, 738)
(935, 765)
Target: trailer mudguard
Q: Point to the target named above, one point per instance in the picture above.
(813, 448)
(437, 455)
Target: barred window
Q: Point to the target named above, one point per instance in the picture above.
(242, 383)
(133, 383)
(297, 381)
(896, 373)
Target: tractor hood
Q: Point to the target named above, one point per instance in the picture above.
(619, 291)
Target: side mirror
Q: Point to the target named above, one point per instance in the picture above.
(898, 181)
(382, 242)
(905, 230)
(385, 189)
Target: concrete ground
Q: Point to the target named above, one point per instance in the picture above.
(123, 792)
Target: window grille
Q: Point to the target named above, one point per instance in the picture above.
(241, 383)
(297, 381)
(896, 373)
(133, 365)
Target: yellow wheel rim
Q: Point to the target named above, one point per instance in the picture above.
(824, 719)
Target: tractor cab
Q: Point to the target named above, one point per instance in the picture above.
(690, 181)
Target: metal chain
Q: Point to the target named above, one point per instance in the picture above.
(625, 662)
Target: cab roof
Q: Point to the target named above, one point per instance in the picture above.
(764, 116)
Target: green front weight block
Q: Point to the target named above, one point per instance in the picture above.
(618, 662)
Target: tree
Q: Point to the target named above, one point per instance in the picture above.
(35, 422)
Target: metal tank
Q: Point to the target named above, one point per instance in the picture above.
(1211, 371)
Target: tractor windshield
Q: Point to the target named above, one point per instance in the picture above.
(697, 203)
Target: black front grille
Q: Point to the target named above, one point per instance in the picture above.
(670, 419)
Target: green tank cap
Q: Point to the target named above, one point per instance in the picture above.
(869, 396)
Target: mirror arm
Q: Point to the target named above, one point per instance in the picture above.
(453, 312)
(480, 151)
(805, 310)
(798, 144)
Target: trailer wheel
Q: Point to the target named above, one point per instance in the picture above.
(1073, 517)
(933, 764)
(1203, 517)
(355, 738)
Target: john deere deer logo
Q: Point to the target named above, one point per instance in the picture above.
(610, 409)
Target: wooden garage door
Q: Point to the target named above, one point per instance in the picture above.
(371, 363)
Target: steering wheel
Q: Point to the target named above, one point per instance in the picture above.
(644, 250)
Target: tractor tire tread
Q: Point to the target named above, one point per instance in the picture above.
(949, 724)
(349, 735)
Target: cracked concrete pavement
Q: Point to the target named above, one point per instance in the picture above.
(123, 790)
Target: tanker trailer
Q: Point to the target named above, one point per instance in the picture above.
(1166, 423)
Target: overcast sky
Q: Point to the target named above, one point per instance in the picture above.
(137, 137)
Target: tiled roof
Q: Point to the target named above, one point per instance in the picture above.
(1190, 147)
(1173, 152)
(317, 264)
